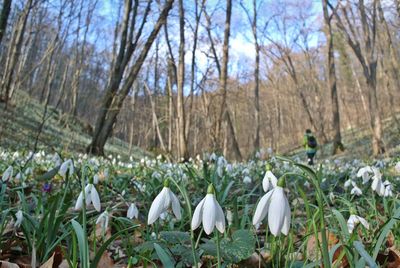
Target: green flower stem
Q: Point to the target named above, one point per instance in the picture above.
(189, 211)
(85, 263)
(218, 250)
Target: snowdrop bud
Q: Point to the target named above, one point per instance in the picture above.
(103, 220)
(348, 183)
(229, 217)
(96, 179)
(20, 216)
(133, 212)
(7, 175)
(246, 180)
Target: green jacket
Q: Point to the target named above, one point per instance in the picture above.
(305, 144)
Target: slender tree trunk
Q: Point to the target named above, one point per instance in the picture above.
(337, 137)
(5, 13)
(183, 152)
(14, 51)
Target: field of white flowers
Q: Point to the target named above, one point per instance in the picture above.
(81, 211)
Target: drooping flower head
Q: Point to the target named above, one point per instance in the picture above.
(354, 220)
(67, 166)
(133, 212)
(7, 174)
(276, 205)
(210, 213)
(163, 201)
(91, 196)
(365, 173)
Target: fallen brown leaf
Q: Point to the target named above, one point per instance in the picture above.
(105, 261)
(55, 260)
(6, 264)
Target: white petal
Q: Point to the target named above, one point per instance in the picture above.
(220, 220)
(176, 206)
(262, 208)
(79, 201)
(157, 207)
(363, 222)
(88, 198)
(94, 195)
(272, 178)
(197, 215)
(209, 214)
(286, 221)
(276, 213)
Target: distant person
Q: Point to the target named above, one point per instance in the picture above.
(310, 144)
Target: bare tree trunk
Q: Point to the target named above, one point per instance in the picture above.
(368, 59)
(183, 152)
(337, 137)
(14, 51)
(112, 101)
(155, 118)
(5, 12)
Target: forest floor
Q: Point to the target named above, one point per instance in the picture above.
(62, 132)
(20, 124)
(357, 143)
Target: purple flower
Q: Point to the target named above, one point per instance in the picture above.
(47, 187)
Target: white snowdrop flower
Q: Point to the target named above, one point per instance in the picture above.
(213, 157)
(91, 196)
(246, 180)
(269, 181)
(388, 189)
(65, 167)
(276, 205)
(365, 173)
(18, 176)
(377, 184)
(332, 197)
(163, 201)
(7, 175)
(20, 217)
(356, 191)
(269, 150)
(123, 193)
(229, 217)
(57, 160)
(28, 171)
(133, 212)
(210, 213)
(397, 167)
(354, 220)
(96, 179)
(103, 220)
(229, 168)
(348, 183)
(153, 235)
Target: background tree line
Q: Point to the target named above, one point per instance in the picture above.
(183, 77)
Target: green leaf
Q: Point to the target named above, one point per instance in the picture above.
(82, 243)
(342, 224)
(385, 230)
(165, 258)
(360, 248)
(240, 247)
(175, 237)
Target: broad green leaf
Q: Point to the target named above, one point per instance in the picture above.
(165, 258)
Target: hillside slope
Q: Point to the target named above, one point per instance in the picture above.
(357, 142)
(20, 124)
